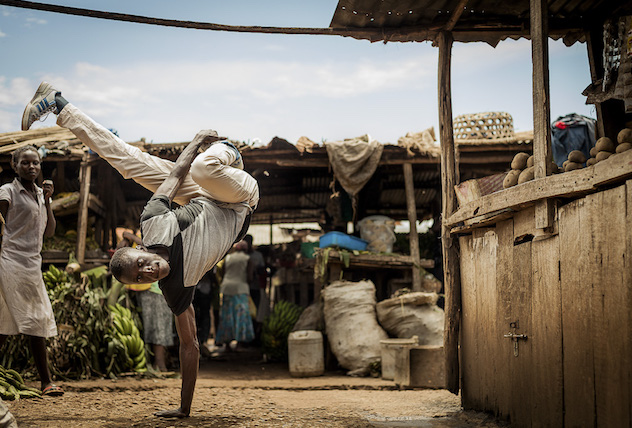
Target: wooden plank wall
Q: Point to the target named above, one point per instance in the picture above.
(572, 296)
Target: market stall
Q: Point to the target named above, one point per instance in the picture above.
(536, 274)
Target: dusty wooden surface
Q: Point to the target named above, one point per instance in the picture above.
(571, 184)
(546, 344)
(571, 294)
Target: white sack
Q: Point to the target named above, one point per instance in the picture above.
(413, 314)
(351, 324)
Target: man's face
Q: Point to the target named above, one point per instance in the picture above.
(143, 267)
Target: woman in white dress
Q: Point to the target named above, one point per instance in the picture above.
(24, 304)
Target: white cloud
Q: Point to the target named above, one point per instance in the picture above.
(170, 101)
(15, 92)
(2, 34)
(476, 56)
(36, 21)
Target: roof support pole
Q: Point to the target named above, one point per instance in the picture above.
(609, 113)
(84, 199)
(544, 210)
(594, 45)
(412, 219)
(451, 263)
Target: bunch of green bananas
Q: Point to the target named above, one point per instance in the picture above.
(53, 277)
(276, 329)
(125, 347)
(12, 386)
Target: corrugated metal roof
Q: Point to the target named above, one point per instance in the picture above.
(480, 20)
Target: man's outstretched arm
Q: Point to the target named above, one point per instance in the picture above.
(170, 186)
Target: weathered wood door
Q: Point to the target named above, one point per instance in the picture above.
(547, 324)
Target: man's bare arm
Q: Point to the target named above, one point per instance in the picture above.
(170, 186)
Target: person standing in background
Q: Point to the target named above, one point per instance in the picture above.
(235, 322)
(257, 266)
(25, 307)
(202, 301)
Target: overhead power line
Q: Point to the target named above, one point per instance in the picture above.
(114, 16)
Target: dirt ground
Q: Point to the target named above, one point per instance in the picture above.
(240, 390)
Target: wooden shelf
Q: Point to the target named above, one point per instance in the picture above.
(378, 261)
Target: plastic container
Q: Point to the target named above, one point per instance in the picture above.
(342, 240)
(308, 248)
(389, 354)
(306, 353)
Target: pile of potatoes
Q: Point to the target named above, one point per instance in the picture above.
(522, 170)
(576, 160)
(605, 147)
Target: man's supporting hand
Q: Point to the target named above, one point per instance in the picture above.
(207, 136)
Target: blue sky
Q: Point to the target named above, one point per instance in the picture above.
(165, 84)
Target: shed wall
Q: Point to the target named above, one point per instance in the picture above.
(571, 295)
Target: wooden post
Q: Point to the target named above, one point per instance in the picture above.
(411, 207)
(609, 113)
(60, 178)
(594, 46)
(84, 196)
(451, 267)
(544, 210)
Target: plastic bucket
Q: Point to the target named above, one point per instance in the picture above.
(389, 352)
(306, 353)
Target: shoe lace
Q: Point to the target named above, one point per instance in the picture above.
(41, 116)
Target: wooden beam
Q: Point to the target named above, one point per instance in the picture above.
(449, 170)
(406, 33)
(544, 210)
(616, 168)
(377, 261)
(412, 219)
(456, 14)
(84, 198)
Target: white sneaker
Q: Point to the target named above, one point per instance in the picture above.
(42, 103)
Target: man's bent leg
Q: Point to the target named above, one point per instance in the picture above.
(189, 363)
(212, 170)
(147, 170)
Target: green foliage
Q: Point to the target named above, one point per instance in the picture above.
(276, 329)
(87, 335)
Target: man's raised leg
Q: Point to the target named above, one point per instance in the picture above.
(147, 170)
(213, 170)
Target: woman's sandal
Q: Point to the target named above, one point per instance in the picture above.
(52, 391)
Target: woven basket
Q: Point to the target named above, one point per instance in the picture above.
(490, 125)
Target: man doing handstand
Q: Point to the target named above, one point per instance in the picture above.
(180, 245)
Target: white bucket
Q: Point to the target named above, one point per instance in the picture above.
(305, 353)
(389, 352)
